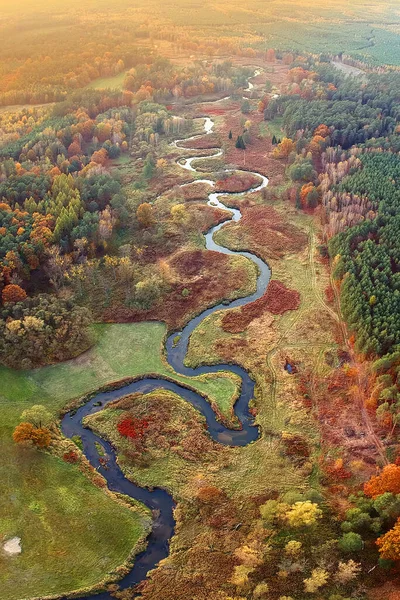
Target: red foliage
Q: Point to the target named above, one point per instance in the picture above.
(277, 300)
(329, 294)
(70, 457)
(132, 427)
(336, 470)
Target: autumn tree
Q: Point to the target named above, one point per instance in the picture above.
(100, 156)
(309, 196)
(179, 214)
(303, 514)
(347, 571)
(37, 415)
(13, 293)
(28, 433)
(387, 481)
(389, 544)
(318, 578)
(42, 330)
(56, 266)
(74, 148)
(144, 214)
(284, 149)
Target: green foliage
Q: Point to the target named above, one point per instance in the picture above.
(370, 256)
(351, 542)
(240, 144)
(38, 415)
(349, 111)
(245, 107)
(302, 169)
(149, 166)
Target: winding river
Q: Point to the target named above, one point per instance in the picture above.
(159, 501)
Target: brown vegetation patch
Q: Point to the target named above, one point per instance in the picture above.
(205, 142)
(208, 216)
(161, 184)
(258, 154)
(237, 182)
(196, 191)
(341, 425)
(168, 425)
(264, 230)
(277, 300)
(201, 279)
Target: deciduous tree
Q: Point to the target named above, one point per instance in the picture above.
(13, 293)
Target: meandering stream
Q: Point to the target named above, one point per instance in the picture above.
(158, 500)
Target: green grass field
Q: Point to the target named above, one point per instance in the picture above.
(114, 82)
(71, 532)
(272, 128)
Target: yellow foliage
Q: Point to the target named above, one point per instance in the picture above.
(318, 578)
(303, 514)
(241, 575)
(293, 548)
(248, 556)
(178, 213)
(284, 148)
(261, 590)
(389, 544)
(282, 574)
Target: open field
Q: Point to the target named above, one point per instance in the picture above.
(58, 514)
(113, 82)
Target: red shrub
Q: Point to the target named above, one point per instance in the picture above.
(277, 300)
(71, 457)
(329, 294)
(131, 427)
